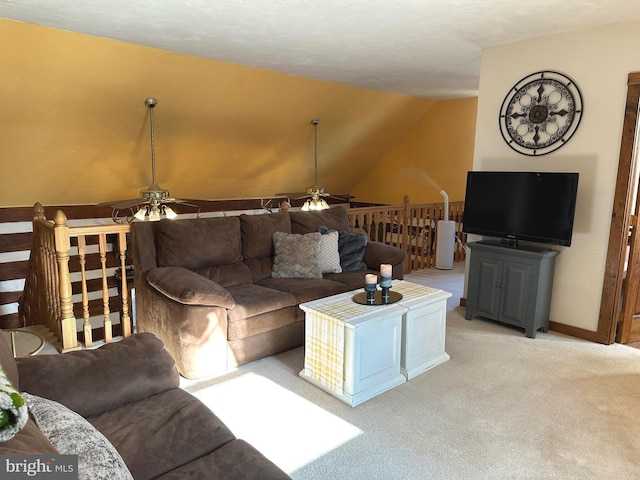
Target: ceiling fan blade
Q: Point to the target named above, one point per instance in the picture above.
(110, 203)
(294, 195)
(187, 204)
(125, 203)
(344, 197)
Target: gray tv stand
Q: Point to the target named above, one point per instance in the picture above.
(511, 284)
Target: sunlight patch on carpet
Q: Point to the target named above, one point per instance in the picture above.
(269, 417)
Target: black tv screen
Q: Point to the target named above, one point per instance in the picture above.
(513, 206)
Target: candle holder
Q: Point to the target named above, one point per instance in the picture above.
(370, 288)
(385, 294)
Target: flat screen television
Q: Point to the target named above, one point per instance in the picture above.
(513, 206)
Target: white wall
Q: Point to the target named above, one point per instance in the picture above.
(599, 61)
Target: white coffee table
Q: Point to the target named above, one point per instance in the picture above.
(424, 327)
(355, 352)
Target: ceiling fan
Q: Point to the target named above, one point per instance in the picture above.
(315, 194)
(154, 201)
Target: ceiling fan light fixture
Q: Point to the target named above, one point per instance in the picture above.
(152, 204)
(170, 213)
(314, 204)
(154, 214)
(141, 214)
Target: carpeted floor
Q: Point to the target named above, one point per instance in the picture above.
(504, 407)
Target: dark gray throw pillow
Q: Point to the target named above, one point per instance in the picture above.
(351, 248)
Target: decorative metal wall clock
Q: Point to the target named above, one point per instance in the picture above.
(540, 113)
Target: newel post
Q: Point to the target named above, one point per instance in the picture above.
(63, 245)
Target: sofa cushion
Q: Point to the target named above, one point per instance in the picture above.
(307, 289)
(71, 434)
(264, 323)
(329, 255)
(335, 218)
(236, 460)
(255, 347)
(258, 230)
(188, 287)
(260, 268)
(296, 256)
(257, 241)
(140, 359)
(351, 280)
(227, 275)
(252, 300)
(378, 253)
(163, 431)
(200, 242)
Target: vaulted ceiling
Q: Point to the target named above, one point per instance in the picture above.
(428, 48)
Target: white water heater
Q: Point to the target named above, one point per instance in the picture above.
(445, 238)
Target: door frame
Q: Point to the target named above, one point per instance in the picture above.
(620, 218)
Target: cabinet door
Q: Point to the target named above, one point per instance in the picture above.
(489, 286)
(515, 293)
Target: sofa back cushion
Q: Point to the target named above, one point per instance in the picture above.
(257, 240)
(209, 246)
(335, 218)
(199, 242)
(94, 381)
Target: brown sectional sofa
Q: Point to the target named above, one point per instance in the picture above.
(129, 392)
(205, 286)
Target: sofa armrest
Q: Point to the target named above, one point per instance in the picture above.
(91, 382)
(377, 253)
(189, 288)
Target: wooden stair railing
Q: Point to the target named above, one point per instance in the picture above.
(48, 296)
(48, 293)
(411, 228)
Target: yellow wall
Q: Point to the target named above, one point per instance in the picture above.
(435, 154)
(75, 128)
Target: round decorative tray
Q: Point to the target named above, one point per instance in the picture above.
(361, 298)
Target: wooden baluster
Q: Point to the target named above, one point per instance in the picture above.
(455, 218)
(45, 286)
(35, 290)
(108, 334)
(125, 320)
(353, 221)
(433, 236)
(406, 221)
(62, 247)
(422, 232)
(419, 235)
(410, 226)
(53, 305)
(429, 239)
(86, 324)
(372, 227)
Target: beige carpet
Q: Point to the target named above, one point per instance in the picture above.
(504, 407)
